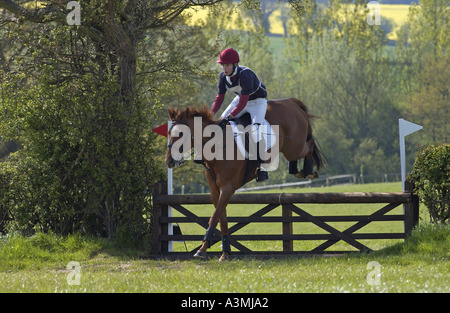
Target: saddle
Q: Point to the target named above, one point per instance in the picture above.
(242, 138)
(243, 142)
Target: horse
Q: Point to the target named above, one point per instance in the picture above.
(225, 175)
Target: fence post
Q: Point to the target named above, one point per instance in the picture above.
(288, 245)
(159, 247)
(411, 209)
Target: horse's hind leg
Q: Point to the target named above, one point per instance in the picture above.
(293, 168)
(307, 167)
(307, 171)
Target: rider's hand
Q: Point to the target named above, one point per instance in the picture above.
(224, 122)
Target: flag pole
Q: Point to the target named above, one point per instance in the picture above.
(405, 128)
(169, 192)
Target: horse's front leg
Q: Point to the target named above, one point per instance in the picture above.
(219, 215)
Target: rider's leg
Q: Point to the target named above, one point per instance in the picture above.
(257, 109)
(261, 172)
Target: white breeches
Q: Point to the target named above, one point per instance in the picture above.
(256, 108)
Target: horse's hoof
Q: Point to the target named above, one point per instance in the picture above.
(200, 255)
(299, 175)
(224, 257)
(313, 176)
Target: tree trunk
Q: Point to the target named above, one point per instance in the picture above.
(127, 73)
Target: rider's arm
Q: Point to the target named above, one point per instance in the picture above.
(221, 90)
(217, 103)
(243, 99)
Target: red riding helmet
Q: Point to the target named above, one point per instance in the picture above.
(228, 56)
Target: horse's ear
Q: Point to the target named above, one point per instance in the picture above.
(172, 112)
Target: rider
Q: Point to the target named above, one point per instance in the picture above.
(251, 97)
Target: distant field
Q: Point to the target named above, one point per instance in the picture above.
(397, 13)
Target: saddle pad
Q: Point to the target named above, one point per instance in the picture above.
(268, 137)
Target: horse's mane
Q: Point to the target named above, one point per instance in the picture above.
(192, 111)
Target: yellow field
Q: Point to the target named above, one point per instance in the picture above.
(397, 13)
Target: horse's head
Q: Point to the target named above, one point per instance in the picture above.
(178, 133)
(181, 133)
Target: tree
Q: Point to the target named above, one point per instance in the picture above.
(74, 100)
(337, 65)
(80, 100)
(430, 102)
(117, 26)
(423, 55)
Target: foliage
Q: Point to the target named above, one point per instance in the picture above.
(431, 175)
(422, 54)
(335, 62)
(81, 101)
(340, 67)
(86, 162)
(430, 102)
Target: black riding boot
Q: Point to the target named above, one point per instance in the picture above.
(261, 172)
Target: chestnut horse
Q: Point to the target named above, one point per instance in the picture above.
(225, 176)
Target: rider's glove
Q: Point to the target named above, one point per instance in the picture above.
(224, 122)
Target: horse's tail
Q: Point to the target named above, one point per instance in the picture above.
(318, 156)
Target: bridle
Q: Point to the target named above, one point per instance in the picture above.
(180, 162)
(175, 123)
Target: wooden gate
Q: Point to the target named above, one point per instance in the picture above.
(291, 213)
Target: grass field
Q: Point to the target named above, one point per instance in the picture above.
(39, 264)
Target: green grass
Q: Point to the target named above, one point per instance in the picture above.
(421, 264)
(39, 264)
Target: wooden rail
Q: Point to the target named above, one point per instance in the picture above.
(161, 220)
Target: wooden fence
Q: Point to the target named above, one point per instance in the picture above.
(290, 214)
